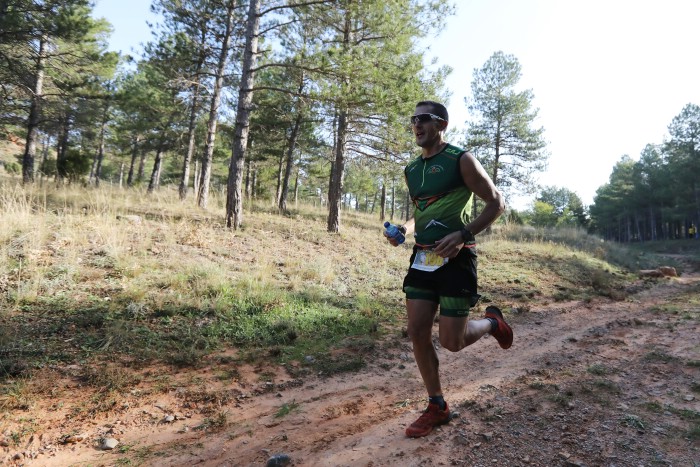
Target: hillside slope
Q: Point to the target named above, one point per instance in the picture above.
(118, 325)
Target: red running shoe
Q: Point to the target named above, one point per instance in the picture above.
(503, 334)
(431, 418)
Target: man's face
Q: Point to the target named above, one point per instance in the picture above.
(427, 133)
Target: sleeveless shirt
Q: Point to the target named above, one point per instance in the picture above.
(442, 201)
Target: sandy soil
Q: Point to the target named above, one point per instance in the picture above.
(603, 383)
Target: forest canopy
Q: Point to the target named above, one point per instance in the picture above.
(296, 101)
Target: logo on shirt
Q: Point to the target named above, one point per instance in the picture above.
(436, 169)
(434, 222)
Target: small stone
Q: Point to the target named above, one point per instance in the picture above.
(689, 397)
(72, 439)
(108, 444)
(279, 460)
(168, 419)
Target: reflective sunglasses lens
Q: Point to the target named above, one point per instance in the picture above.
(423, 118)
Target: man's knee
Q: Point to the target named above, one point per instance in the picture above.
(452, 343)
(417, 332)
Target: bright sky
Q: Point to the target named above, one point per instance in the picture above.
(608, 75)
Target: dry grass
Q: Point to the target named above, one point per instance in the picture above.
(88, 272)
(93, 297)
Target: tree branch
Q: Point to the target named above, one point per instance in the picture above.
(293, 66)
(283, 7)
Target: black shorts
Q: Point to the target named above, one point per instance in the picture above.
(453, 286)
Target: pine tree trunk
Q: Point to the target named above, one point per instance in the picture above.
(101, 146)
(100, 158)
(278, 189)
(290, 163)
(192, 126)
(393, 198)
(44, 158)
(142, 167)
(155, 173)
(91, 177)
(296, 188)
(134, 155)
(234, 203)
(203, 195)
(335, 191)
(62, 147)
(382, 212)
(34, 115)
(247, 179)
(154, 183)
(196, 176)
(191, 141)
(254, 184)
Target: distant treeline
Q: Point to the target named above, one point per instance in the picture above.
(657, 197)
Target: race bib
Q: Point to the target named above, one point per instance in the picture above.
(427, 260)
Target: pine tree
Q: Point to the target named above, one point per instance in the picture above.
(503, 136)
(35, 39)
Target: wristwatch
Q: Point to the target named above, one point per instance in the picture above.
(467, 235)
(402, 229)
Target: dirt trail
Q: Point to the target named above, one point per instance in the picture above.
(611, 383)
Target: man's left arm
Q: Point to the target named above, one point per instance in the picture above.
(478, 181)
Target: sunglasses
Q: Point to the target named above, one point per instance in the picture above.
(425, 118)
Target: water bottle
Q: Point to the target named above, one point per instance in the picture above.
(394, 232)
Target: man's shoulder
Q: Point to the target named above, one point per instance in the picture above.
(453, 151)
(412, 163)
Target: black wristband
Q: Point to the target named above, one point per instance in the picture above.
(467, 236)
(402, 229)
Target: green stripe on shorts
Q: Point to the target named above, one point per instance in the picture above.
(415, 293)
(454, 306)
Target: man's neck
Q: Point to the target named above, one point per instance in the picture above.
(433, 149)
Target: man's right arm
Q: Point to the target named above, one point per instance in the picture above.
(407, 228)
(410, 226)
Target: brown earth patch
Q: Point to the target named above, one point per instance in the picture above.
(600, 383)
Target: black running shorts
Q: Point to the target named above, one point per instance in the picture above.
(453, 286)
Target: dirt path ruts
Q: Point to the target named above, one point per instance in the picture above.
(524, 406)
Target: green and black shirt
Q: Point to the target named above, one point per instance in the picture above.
(442, 200)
